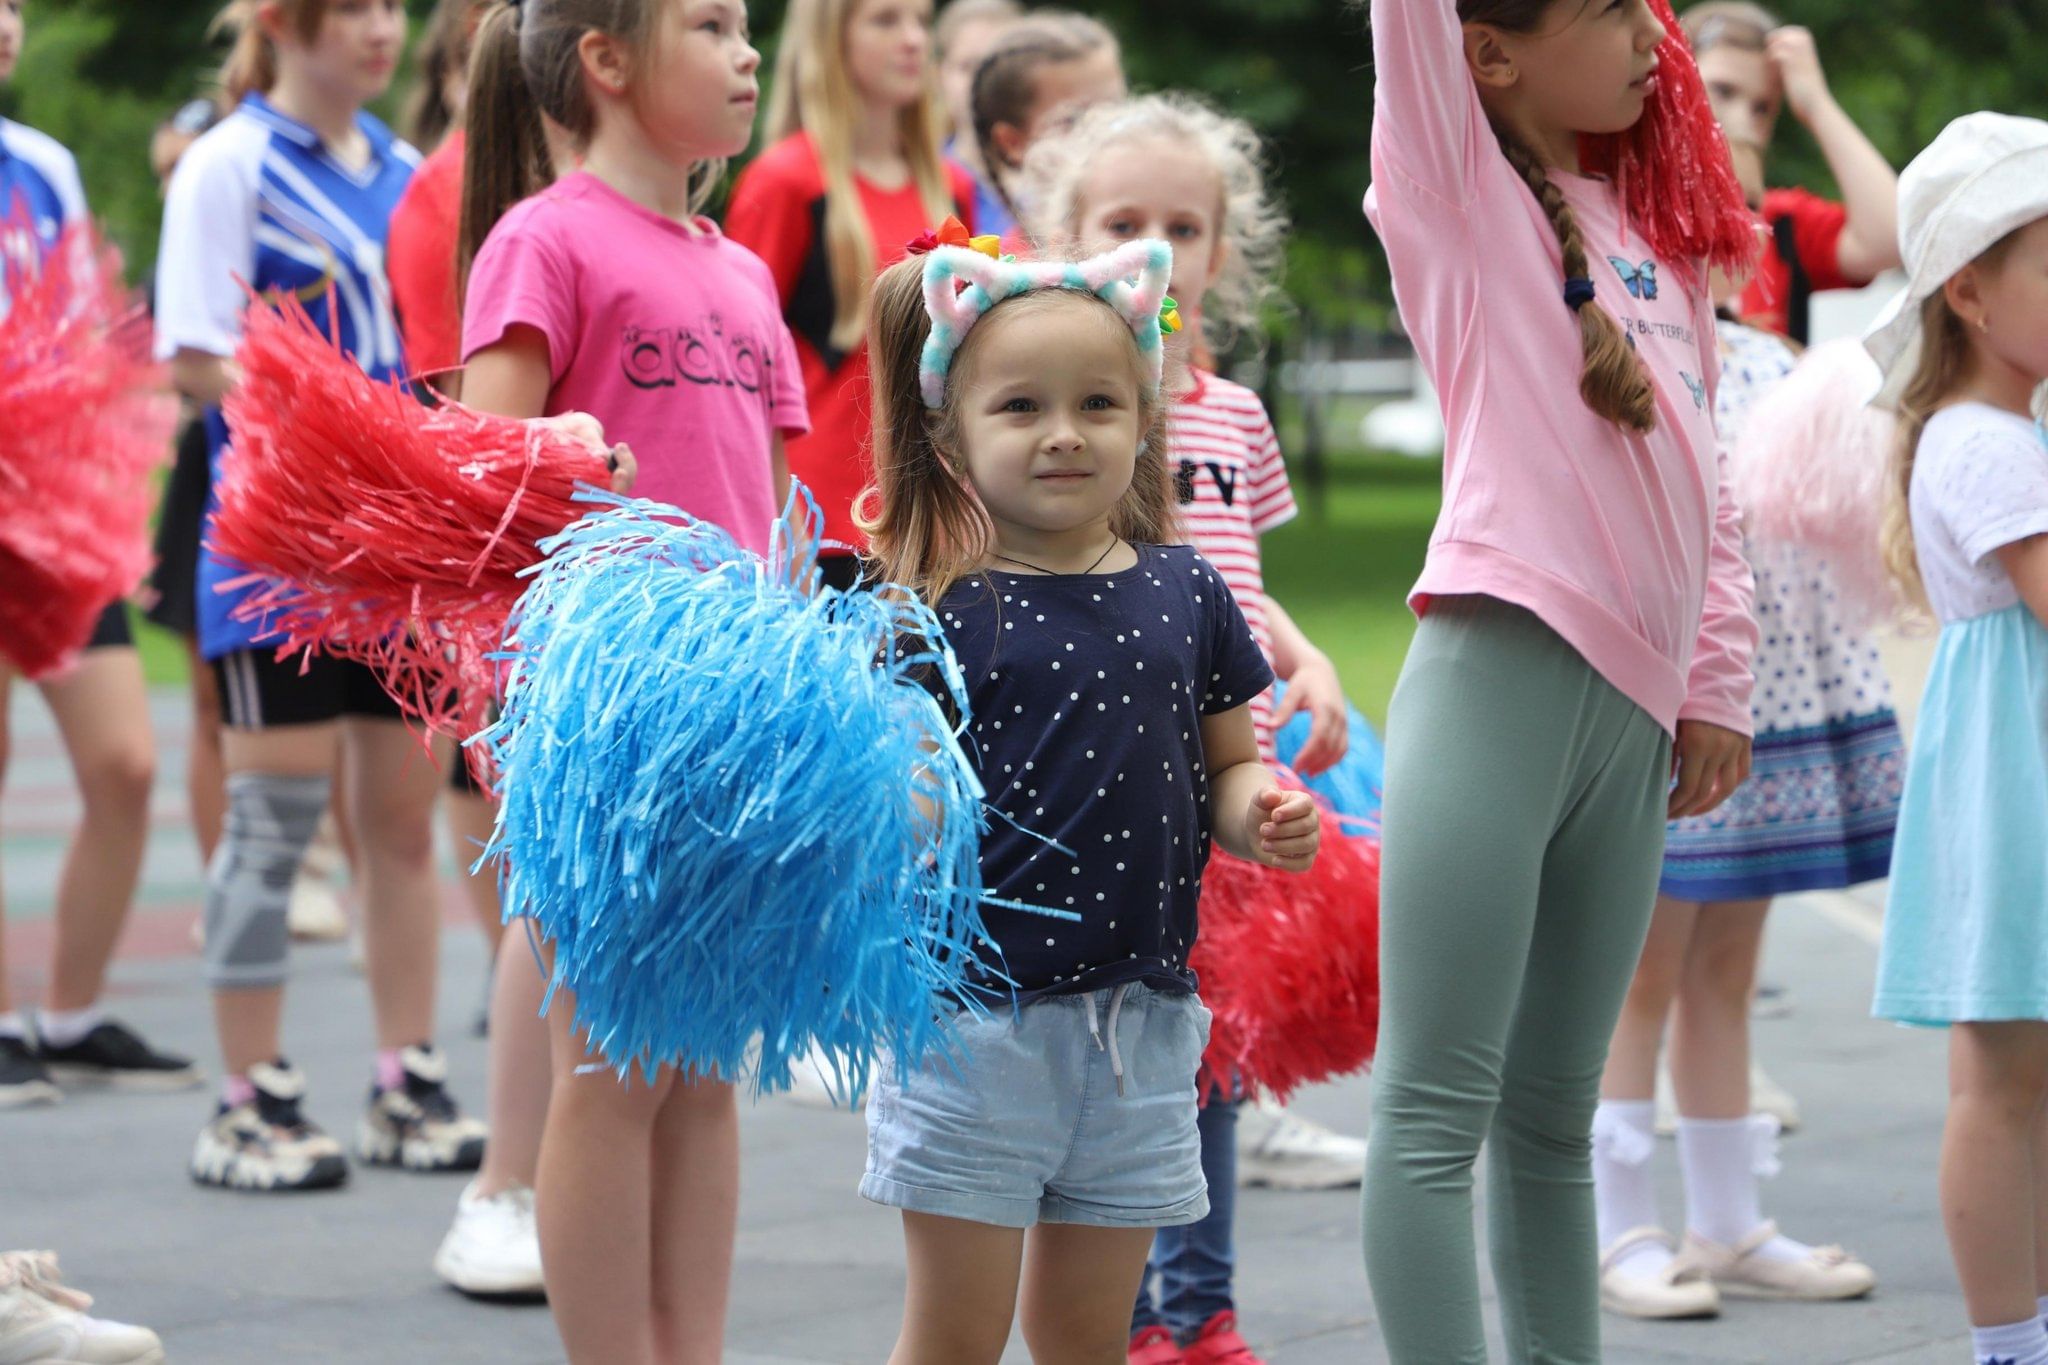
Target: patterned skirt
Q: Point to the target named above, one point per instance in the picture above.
(1822, 800)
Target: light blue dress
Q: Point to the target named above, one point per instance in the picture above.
(1966, 930)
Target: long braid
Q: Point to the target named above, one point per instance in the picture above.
(1614, 383)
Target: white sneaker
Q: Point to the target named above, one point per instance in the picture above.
(315, 914)
(42, 1322)
(492, 1250)
(1278, 1148)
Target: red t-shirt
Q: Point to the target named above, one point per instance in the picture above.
(420, 261)
(778, 210)
(1817, 227)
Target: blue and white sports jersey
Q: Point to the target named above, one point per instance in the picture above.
(40, 196)
(260, 201)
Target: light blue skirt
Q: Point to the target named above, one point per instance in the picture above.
(1966, 930)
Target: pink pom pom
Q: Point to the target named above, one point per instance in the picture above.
(392, 533)
(1289, 965)
(1812, 470)
(85, 419)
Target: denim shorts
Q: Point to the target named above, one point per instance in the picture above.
(1074, 1109)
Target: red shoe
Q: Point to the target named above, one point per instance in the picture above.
(1219, 1344)
(1154, 1346)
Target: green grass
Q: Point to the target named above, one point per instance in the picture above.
(1342, 569)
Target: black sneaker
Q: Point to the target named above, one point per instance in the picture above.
(417, 1125)
(268, 1144)
(114, 1055)
(23, 1080)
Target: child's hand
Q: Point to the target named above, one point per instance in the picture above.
(588, 432)
(625, 468)
(1791, 52)
(1285, 829)
(1710, 761)
(1314, 688)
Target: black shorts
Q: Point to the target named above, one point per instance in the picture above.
(112, 628)
(175, 579)
(258, 692)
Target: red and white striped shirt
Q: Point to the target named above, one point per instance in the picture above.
(1233, 489)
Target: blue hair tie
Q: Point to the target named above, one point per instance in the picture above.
(1578, 292)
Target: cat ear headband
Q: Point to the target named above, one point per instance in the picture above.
(962, 283)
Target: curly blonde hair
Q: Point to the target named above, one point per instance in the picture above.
(1251, 221)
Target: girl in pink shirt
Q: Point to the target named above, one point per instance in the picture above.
(605, 292)
(1585, 620)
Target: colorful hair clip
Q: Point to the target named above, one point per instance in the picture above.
(1169, 316)
(961, 283)
(952, 232)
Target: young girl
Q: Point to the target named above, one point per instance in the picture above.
(102, 715)
(1754, 68)
(962, 36)
(1024, 490)
(492, 1247)
(1040, 73)
(606, 293)
(1966, 353)
(1169, 167)
(292, 192)
(852, 173)
(1817, 814)
(1585, 603)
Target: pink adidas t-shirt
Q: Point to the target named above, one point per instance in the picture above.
(674, 340)
(1233, 489)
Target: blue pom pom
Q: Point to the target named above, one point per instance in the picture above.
(1354, 785)
(745, 826)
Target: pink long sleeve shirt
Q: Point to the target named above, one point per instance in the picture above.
(1628, 546)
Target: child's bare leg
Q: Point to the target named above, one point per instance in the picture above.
(1998, 1080)
(594, 1201)
(1079, 1283)
(962, 1291)
(696, 1176)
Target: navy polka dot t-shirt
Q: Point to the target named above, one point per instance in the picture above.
(1087, 692)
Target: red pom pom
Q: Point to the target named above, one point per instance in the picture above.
(394, 533)
(1289, 965)
(85, 419)
(1672, 168)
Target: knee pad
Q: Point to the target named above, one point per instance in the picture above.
(269, 821)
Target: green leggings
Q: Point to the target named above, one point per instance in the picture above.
(1523, 833)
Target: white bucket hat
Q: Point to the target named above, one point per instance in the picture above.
(1984, 178)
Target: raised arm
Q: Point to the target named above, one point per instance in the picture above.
(1870, 188)
(1427, 121)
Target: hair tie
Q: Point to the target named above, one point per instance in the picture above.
(1578, 292)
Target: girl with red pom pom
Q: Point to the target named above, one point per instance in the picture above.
(102, 714)
(1552, 191)
(605, 292)
(1170, 167)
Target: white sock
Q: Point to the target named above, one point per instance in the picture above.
(12, 1025)
(1624, 1195)
(2016, 1343)
(1720, 1160)
(64, 1028)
